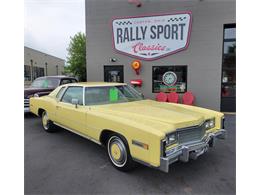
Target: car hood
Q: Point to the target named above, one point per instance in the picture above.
(31, 91)
(158, 115)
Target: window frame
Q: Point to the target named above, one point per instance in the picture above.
(59, 99)
(224, 40)
(186, 85)
(83, 94)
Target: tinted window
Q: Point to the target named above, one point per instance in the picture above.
(73, 93)
(38, 72)
(27, 73)
(59, 94)
(228, 85)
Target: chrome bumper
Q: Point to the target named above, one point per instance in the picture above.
(26, 105)
(191, 150)
(26, 109)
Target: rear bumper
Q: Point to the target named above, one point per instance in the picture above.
(191, 150)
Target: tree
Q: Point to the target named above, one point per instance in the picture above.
(76, 58)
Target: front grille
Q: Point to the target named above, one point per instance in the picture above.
(26, 103)
(190, 134)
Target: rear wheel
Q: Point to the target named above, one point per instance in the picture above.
(118, 153)
(47, 124)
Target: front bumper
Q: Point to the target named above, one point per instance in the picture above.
(26, 109)
(191, 150)
(26, 105)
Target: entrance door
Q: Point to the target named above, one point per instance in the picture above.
(114, 74)
(228, 83)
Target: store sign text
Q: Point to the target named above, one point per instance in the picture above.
(152, 37)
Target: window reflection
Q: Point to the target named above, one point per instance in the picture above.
(230, 33)
(228, 86)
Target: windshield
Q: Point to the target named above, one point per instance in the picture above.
(45, 83)
(111, 95)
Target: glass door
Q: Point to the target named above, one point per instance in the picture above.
(114, 73)
(228, 82)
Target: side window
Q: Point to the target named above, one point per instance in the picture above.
(65, 81)
(59, 94)
(73, 93)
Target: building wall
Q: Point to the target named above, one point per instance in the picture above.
(203, 56)
(39, 59)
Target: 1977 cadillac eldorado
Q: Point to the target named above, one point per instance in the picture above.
(131, 128)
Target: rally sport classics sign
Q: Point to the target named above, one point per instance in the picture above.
(152, 37)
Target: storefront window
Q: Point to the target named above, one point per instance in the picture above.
(38, 72)
(160, 85)
(229, 62)
(27, 73)
(228, 82)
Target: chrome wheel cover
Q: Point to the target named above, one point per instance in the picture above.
(117, 151)
(45, 121)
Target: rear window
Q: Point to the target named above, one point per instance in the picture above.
(66, 81)
(45, 83)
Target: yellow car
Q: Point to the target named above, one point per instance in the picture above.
(132, 129)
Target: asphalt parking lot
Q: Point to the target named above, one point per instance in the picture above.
(65, 163)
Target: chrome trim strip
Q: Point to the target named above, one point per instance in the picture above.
(84, 90)
(78, 133)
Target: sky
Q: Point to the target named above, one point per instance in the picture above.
(48, 24)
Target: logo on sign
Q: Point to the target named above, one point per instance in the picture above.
(169, 78)
(152, 37)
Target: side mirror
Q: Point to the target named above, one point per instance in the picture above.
(75, 102)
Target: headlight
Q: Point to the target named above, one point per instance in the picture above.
(171, 139)
(209, 124)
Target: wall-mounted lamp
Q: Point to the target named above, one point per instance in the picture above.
(136, 66)
(113, 59)
(136, 82)
(137, 3)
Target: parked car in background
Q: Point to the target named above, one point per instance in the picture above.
(43, 86)
(131, 128)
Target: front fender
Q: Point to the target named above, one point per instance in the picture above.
(132, 131)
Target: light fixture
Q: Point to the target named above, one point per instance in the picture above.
(137, 3)
(113, 59)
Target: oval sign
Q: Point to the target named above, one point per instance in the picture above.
(152, 37)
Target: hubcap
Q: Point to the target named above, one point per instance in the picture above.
(117, 151)
(45, 121)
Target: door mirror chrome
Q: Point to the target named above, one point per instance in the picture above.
(75, 102)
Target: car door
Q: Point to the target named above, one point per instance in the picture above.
(70, 115)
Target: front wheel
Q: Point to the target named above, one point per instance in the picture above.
(47, 124)
(118, 153)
